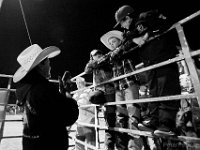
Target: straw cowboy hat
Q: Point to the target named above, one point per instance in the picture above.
(31, 57)
(114, 33)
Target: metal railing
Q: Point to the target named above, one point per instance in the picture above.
(186, 56)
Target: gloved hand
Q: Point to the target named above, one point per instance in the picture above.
(61, 85)
(65, 84)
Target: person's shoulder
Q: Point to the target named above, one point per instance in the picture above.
(44, 86)
(150, 14)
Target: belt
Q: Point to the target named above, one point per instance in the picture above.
(31, 136)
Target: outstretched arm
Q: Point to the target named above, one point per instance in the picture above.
(90, 66)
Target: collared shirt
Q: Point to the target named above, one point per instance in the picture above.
(121, 67)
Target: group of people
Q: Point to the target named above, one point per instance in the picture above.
(139, 39)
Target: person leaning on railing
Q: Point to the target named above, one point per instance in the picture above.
(163, 81)
(128, 116)
(103, 93)
(47, 112)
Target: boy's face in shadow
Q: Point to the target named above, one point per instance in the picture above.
(114, 42)
(44, 68)
(97, 56)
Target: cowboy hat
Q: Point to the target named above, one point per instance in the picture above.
(31, 57)
(114, 33)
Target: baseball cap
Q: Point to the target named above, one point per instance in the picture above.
(122, 12)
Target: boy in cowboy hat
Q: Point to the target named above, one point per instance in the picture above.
(46, 111)
(126, 89)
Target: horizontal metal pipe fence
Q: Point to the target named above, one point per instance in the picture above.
(187, 55)
(173, 60)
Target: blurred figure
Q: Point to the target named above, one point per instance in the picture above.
(86, 115)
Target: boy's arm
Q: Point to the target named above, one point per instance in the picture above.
(90, 66)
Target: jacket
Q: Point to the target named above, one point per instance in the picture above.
(47, 113)
(101, 73)
(159, 49)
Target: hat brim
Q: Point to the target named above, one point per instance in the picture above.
(48, 52)
(114, 33)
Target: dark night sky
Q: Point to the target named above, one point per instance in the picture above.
(75, 26)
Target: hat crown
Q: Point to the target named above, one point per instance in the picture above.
(123, 12)
(114, 33)
(28, 56)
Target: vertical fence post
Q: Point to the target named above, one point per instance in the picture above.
(4, 97)
(189, 61)
(96, 128)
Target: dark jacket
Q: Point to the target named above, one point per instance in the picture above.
(159, 49)
(47, 113)
(101, 73)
